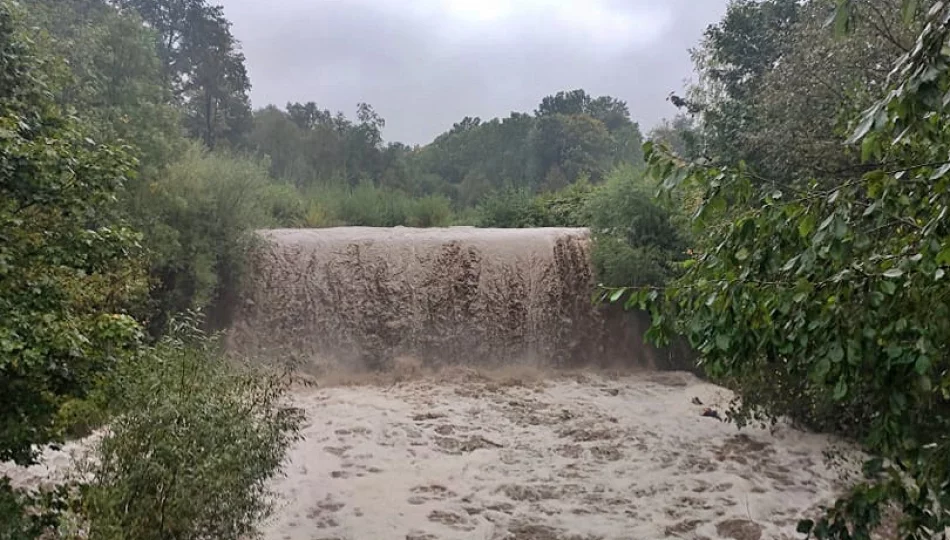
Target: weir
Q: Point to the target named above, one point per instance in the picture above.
(360, 297)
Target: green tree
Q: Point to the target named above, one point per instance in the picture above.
(827, 303)
(68, 269)
(201, 214)
(578, 145)
(802, 112)
(636, 240)
(735, 56)
(203, 65)
(574, 102)
(761, 100)
(108, 69)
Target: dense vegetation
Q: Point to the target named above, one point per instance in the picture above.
(800, 240)
(818, 288)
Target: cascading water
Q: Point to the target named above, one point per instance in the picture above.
(357, 297)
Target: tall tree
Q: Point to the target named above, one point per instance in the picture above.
(68, 267)
(108, 70)
(762, 100)
(565, 102)
(203, 64)
(732, 61)
(827, 303)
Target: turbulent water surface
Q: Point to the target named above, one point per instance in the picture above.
(572, 457)
(511, 455)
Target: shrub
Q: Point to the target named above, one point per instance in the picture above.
(511, 209)
(197, 220)
(285, 206)
(636, 242)
(567, 207)
(189, 454)
(430, 211)
(367, 205)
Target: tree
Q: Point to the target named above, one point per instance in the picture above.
(732, 61)
(826, 303)
(761, 100)
(107, 68)
(681, 135)
(574, 102)
(577, 145)
(203, 64)
(636, 241)
(308, 115)
(68, 266)
(201, 214)
(802, 112)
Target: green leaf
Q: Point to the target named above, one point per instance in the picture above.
(723, 341)
(867, 122)
(841, 390)
(922, 365)
(836, 354)
(616, 295)
(894, 273)
(869, 148)
(742, 254)
(821, 369)
(938, 275)
(806, 225)
(940, 172)
(889, 287)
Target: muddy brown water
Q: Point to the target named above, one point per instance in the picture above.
(436, 441)
(359, 297)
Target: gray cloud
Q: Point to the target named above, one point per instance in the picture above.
(425, 64)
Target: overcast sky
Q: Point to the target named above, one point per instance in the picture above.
(425, 64)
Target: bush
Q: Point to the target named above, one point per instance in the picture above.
(567, 207)
(510, 209)
(197, 221)
(191, 450)
(370, 206)
(636, 242)
(430, 211)
(285, 206)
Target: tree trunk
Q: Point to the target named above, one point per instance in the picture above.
(209, 120)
